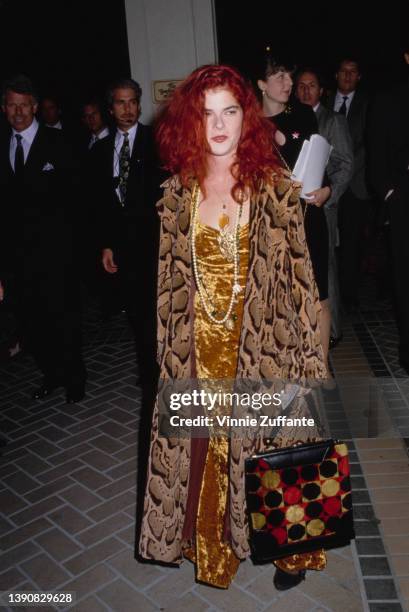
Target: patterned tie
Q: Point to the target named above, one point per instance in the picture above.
(19, 157)
(343, 108)
(124, 161)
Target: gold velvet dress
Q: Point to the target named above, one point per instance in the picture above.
(216, 354)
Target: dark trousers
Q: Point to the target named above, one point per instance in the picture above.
(49, 318)
(137, 258)
(352, 216)
(398, 208)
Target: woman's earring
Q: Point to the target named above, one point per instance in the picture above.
(263, 92)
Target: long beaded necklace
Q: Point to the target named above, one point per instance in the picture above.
(229, 318)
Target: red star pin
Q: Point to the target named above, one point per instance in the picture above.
(295, 135)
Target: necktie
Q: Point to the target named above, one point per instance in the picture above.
(343, 108)
(124, 161)
(93, 140)
(19, 157)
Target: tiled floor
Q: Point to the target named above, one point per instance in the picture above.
(67, 490)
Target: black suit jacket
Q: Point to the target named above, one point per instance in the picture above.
(357, 120)
(136, 220)
(37, 211)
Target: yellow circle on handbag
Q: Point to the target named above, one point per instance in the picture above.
(330, 488)
(341, 449)
(258, 520)
(315, 527)
(294, 514)
(271, 480)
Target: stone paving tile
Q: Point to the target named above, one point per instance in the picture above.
(10, 579)
(121, 485)
(17, 555)
(141, 575)
(106, 509)
(70, 520)
(20, 483)
(37, 510)
(57, 544)
(80, 498)
(103, 529)
(232, 599)
(93, 555)
(120, 596)
(89, 604)
(10, 503)
(107, 444)
(44, 572)
(91, 479)
(101, 461)
(72, 453)
(90, 581)
(21, 535)
(5, 526)
(49, 489)
(295, 601)
(63, 470)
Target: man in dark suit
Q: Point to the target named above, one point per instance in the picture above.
(37, 195)
(92, 116)
(124, 183)
(354, 205)
(389, 174)
(334, 128)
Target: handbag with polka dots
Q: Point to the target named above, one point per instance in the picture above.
(299, 499)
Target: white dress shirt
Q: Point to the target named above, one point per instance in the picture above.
(27, 137)
(95, 137)
(339, 99)
(56, 126)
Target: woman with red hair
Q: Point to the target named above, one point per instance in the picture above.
(236, 300)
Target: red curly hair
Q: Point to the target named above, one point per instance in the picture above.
(181, 132)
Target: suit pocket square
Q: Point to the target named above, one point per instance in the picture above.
(47, 167)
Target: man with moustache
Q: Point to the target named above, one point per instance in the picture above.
(37, 190)
(334, 128)
(124, 186)
(354, 205)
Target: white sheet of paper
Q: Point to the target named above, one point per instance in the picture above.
(311, 163)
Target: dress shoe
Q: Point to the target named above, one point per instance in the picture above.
(284, 581)
(333, 341)
(44, 391)
(75, 393)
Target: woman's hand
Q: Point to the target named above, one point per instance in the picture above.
(318, 197)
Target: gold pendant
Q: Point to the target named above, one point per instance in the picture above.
(229, 324)
(224, 220)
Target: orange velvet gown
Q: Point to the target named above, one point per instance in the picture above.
(216, 354)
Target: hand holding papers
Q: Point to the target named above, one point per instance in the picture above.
(310, 166)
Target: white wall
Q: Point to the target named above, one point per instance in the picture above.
(167, 40)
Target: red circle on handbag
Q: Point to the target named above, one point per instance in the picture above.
(292, 495)
(280, 535)
(332, 506)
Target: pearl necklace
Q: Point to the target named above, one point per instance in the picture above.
(228, 319)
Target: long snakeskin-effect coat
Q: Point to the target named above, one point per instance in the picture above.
(279, 339)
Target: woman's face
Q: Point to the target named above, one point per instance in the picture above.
(277, 86)
(223, 121)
